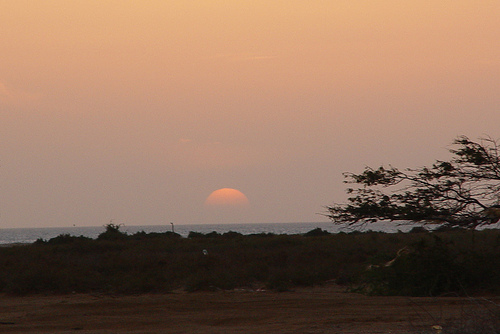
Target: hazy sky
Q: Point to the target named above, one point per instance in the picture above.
(137, 110)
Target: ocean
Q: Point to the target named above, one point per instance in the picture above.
(29, 235)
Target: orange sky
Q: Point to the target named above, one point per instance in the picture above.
(137, 111)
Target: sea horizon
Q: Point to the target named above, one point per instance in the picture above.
(31, 234)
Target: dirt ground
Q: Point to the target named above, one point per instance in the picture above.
(316, 310)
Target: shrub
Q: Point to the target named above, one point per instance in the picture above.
(112, 232)
(193, 234)
(316, 233)
(440, 262)
(67, 239)
(232, 234)
(435, 267)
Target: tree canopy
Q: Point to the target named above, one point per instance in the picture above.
(461, 192)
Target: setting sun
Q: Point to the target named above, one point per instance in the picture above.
(227, 205)
(227, 198)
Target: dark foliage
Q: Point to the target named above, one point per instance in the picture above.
(64, 239)
(316, 232)
(112, 232)
(193, 234)
(462, 192)
(439, 263)
(455, 261)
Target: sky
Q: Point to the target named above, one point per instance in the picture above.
(136, 111)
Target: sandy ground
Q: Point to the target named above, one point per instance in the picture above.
(315, 310)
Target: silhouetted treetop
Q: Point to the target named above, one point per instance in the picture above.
(461, 192)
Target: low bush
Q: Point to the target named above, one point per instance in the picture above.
(440, 262)
(316, 232)
(112, 232)
(448, 262)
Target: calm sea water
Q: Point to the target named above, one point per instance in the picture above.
(29, 235)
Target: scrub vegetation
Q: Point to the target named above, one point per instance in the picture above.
(435, 263)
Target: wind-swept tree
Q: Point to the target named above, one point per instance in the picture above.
(461, 192)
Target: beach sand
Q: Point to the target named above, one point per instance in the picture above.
(326, 309)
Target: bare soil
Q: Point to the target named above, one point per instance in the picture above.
(327, 309)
